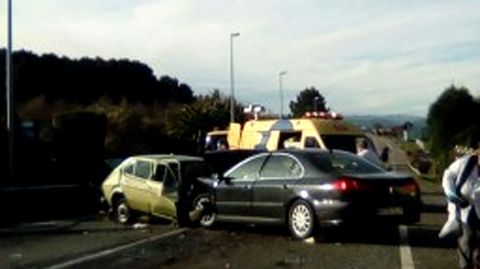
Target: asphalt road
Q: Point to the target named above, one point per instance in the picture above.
(40, 244)
(94, 243)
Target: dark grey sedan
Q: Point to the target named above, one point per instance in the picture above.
(308, 188)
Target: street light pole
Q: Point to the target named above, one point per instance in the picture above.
(232, 81)
(9, 92)
(280, 89)
(315, 103)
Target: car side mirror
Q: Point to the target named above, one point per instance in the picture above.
(227, 180)
(220, 177)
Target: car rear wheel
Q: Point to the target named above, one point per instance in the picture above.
(122, 212)
(301, 220)
(207, 216)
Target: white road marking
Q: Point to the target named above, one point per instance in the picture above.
(115, 249)
(406, 259)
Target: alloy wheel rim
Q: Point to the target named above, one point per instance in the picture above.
(207, 218)
(123, 213)
(301, 220)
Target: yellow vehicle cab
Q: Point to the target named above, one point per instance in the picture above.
(316, 130)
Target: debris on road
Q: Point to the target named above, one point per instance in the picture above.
(139, 226)
(291, 261)
(16, 256)
(309, 240)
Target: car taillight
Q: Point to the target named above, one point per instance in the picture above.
(410, 188)
(345, 184)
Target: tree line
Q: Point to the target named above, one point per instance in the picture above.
(85, 80)
(144, 113)
(89, 109)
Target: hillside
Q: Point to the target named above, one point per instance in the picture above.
(388, 121)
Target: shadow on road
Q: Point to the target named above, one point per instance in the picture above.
(427, 237)
(375, 233)
(78, 225)
(434, 208)
(59, 230)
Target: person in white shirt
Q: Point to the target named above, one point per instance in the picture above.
(364, 152)
(460, 183)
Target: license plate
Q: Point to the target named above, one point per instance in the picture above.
(390, 211)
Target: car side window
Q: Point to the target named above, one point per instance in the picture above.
(248, 171)
(143, 169)
(281, 167)
(129, 169)
(175, 169)
(160, 173)
(169, 181)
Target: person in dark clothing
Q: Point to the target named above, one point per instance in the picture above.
(385, 154)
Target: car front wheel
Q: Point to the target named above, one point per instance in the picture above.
(122, 212)
(204, 206)
(301, 220)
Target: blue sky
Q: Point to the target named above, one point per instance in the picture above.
(365, 56)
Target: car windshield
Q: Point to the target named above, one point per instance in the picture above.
(114, 162)
(343, 163)
(215, 142)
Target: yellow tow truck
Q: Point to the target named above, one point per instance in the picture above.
(323, 130)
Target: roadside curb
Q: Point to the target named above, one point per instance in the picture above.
(415, 170)
(107, 252)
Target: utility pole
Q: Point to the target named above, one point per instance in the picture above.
(315, 103)
(9, 93)
(232, 81)
(280, 89)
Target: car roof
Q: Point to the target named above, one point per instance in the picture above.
(160, 157)
(311, 151)
(306, 151)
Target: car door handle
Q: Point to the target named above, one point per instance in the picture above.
(285, 186)
(247, 187)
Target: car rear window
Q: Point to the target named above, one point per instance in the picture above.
(342, 142)
(343, 163)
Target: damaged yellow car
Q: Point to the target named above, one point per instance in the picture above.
(154, 184)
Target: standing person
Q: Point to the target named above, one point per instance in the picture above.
(460, 181)
(364, 152)
(385, 154)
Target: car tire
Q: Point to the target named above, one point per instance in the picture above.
(206, 219)
(122, 213)
(301, 220)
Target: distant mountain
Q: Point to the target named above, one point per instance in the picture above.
(371, 121)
